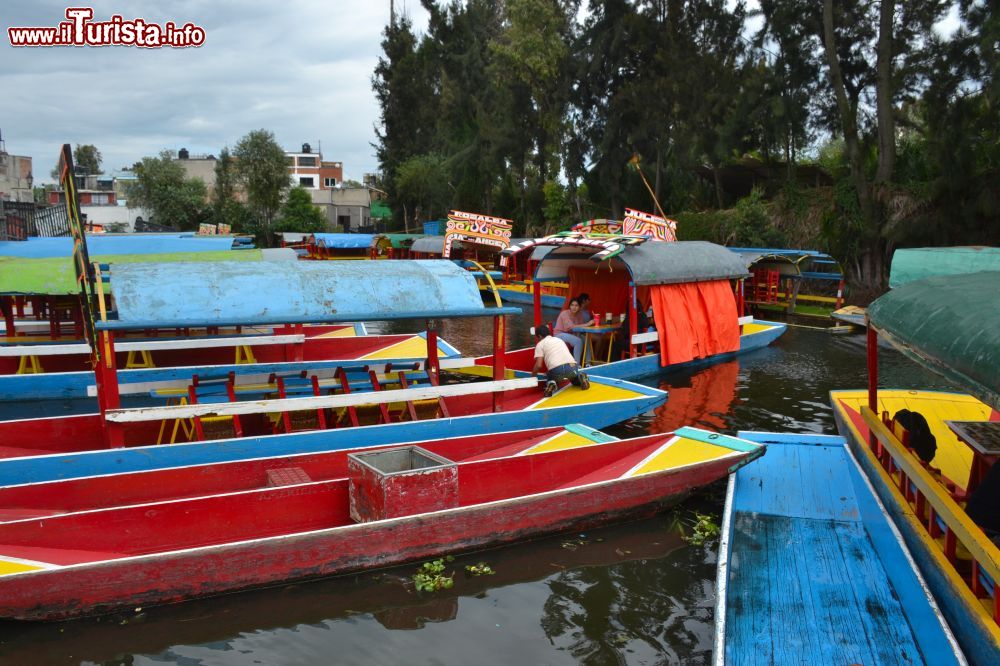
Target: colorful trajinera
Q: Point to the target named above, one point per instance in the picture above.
(931, 454)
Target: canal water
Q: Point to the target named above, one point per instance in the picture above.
(632, 593)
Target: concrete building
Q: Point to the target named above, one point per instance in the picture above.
(16, 178)
(308, 170)
(348, 208)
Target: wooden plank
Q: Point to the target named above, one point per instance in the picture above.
(143, 414)
(155, 345)
(642, 338)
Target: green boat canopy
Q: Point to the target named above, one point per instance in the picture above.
(55, 276)
(920, 263)
(949, 323)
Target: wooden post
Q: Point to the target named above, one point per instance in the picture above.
(633, 319)
(499, 349)
(536, 292)
(840, 294)
(433, 367)
(8, 315)
(108, 386)
(872, 378)
(299, 349)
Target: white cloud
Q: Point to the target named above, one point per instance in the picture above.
(300, 68)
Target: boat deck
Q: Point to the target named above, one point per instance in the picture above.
(813, 572)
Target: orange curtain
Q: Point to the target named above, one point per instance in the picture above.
(608, 289)
(695, 320)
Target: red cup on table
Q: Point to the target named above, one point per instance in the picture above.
(597, 320)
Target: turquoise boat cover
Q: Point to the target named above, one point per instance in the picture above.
(919, 263)
(346, 241)
(104, 244)
(949, 323)
(273, 292)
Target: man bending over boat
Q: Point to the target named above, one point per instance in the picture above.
(554, 353)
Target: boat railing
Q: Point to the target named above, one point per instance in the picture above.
(940, 515)
(171, 412)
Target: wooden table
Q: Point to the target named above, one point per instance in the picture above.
(604, 330)
(983, 437)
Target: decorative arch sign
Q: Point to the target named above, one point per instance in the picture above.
(606, 246)
(598, 227)
(475, 228)
(638, 223)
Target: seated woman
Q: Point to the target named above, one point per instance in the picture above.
(567, 320)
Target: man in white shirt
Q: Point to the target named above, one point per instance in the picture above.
(556, 356)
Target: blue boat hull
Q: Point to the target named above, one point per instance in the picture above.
(514, 296)
(811, 569)
(646, 366)
(73, 465)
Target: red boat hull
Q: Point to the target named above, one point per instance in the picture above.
(184, 574)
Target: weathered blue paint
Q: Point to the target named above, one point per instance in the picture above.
(814, 571)
(74, 465)
(512, 296)
(717, 439)
(73, 385)
(646, 366)
(346, 241)
(101, 244)
(223, 293)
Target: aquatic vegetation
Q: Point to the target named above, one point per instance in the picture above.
(430, 577)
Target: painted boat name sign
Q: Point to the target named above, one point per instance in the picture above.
(475, 228)
(638, 223)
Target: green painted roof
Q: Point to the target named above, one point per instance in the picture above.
(55, 276)
(920, 263)
(403, 240)
(949, 323)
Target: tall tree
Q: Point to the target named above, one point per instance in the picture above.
(405, 91)
(894, 36)
(87, 158)
(263, 170)
(162, 188)
(299, 214)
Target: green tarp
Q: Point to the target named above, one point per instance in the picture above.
(920, 263)
(950, 324)
(55, 276)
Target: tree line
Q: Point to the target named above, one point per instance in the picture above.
(546, 111)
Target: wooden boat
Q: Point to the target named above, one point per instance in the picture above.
(347, 246)
(792, 282)
(851, 314)
(364, 403)
(693, 288)
(929, 488)
(812, 569)
(392, 506)
(55, 363)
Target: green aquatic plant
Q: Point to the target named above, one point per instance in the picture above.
(705, 529)
(430, 577)
(481, 569)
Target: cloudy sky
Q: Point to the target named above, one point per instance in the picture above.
(299, 68)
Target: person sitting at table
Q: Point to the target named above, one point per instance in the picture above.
(553, 352)
(565, 323)
(622, 338)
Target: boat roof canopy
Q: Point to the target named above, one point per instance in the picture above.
(105, 244)
(402, 240)
(432, 245)
(349, 241)
(946, 324)
(909, 264)
(649, 263)
(230, 293)
(56, 276)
